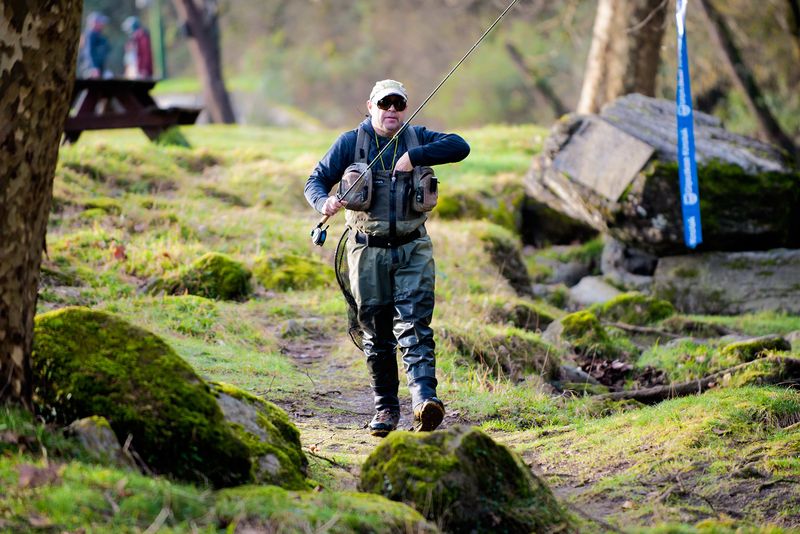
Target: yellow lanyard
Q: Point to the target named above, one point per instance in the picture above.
(378, 146)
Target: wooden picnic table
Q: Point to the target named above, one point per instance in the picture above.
(99, 104)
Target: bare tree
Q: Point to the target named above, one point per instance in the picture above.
(743, 78)
(535, 82)
(38, 47)
(625, 51)
(202, 24)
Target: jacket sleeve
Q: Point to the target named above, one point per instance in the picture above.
(437, 148)
(330, 169)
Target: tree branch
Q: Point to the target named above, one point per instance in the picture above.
(534, 82)
(743, 78)
(779, 370)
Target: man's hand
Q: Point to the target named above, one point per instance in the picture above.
(404, 164)
(332, 205)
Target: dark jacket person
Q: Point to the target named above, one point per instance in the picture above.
(94, 47)
(389, 253)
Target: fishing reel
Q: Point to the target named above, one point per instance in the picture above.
(319, 234)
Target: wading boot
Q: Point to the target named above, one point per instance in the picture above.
(384, 422)
(428, 415)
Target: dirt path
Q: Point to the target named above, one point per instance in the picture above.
(333, 412)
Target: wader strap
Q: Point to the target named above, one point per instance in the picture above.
(362, 146)
(410, 137)
(362, 143)
(387, 242)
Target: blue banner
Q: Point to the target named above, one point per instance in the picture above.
(687, 166)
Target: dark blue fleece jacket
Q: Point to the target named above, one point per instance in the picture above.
(435, 148)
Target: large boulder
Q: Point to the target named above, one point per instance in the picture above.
(731, 283)
(633, 308)
(464, 481)
(88, 363)
(618, 172)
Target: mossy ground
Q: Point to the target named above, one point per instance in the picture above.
(164, 207)
(684, 460)
(63, 491)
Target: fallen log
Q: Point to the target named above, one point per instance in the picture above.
(775, 370)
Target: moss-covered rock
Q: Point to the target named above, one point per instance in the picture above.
(731, 283)
(588, 337)
(272, 509)
(274, 442)
(771, 369)
(750, 349)
(504, 250)
(290, 271)
(633, 308)
(524, 314)
(464, 481)
(100, 442)
(89, 363)
(508, 352)
(108, 205)
(214, 276)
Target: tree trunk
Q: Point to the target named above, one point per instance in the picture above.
(38, 47)
(743, 78)
(794, 23)
(625, 52)
(201, 17)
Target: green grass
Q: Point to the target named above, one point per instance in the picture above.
(127, 212)
(699, 439)
(755, 324)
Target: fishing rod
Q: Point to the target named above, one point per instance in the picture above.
(319, 234)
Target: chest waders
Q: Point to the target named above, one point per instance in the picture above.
(391, 277)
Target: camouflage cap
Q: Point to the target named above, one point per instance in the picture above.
(385, 88)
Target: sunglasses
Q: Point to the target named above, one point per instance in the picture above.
(398, 102)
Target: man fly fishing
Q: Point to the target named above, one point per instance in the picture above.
(389, 253)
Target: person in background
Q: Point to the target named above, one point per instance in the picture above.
(94, 48)
(138, 51)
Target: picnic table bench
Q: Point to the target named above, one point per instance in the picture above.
(99, 104)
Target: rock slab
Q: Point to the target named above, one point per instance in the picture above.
(731, 283)
(749, 191)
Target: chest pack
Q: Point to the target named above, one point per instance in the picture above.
(382, 206)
